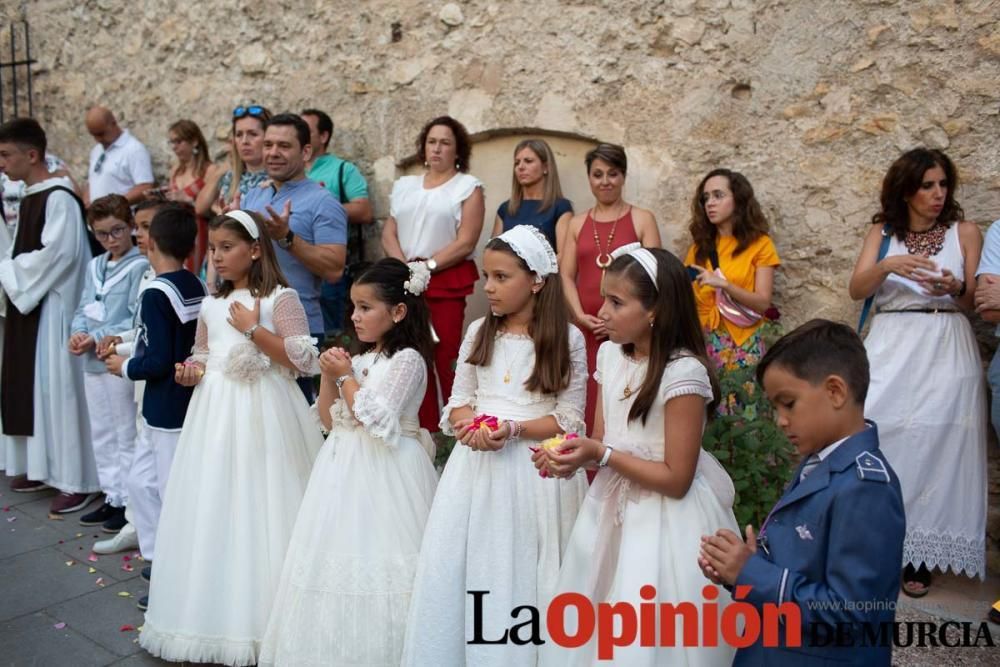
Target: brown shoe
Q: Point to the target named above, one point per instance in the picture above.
(22, 484)
(65, 503)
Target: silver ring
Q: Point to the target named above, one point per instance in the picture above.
(938, 284)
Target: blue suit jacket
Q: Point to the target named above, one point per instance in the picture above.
(833, 545)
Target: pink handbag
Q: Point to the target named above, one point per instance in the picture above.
(729, 308)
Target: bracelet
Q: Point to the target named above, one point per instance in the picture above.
(249, 332)
(514, 429)
(607, 455)
(342, 379)
(961, 292)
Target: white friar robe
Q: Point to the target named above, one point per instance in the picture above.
(59, 452)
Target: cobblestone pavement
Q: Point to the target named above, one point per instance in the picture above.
(59, 607)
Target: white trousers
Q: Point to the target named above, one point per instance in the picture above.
(111, 407)
(147, 483)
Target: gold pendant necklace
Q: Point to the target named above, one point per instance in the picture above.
(506, 375)
(604, 259)
(627, 393)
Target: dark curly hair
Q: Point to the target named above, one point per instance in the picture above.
(387, 276)
(902, 181)
(749, 222)
(463, 145)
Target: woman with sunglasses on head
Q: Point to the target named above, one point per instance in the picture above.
(246, 169)
(187, 177)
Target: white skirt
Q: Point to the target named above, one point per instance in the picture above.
(928, 398)
(241, 467)
(627, 537)
(345, 588)
(495, 526)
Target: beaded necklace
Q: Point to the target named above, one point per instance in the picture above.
(928, 243)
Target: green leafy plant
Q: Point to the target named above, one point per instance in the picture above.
(748, 443)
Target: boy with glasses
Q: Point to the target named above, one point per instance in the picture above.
(107, 306)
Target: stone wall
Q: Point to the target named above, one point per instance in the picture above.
(811, 100)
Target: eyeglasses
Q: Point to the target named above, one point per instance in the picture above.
(116, 232)
(255, 111)
(100, 162)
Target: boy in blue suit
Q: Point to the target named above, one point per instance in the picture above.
(833, 544)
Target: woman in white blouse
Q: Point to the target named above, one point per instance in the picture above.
(436, 217)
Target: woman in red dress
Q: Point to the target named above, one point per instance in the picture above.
(592, 235)
(187, 178)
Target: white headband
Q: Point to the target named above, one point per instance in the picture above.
(645, 258)
(247, 221)
(531, 245)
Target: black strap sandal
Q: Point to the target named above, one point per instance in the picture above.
(916, 581)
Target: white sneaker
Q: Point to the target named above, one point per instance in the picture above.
(125, 540)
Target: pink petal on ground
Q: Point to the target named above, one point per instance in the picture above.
(126, 558)
(92, 558)
(59, 626)
(126, 628)
(100, 581)
(127, 567)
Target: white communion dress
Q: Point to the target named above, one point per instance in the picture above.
(495, 525)
(345, 589)
(241, 467)
(627, 537)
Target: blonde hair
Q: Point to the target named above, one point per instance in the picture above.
(552, 191)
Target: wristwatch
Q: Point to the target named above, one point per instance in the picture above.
(286, 242)
(248, 334)
(431, 265)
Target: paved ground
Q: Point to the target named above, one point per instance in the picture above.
(55, 611)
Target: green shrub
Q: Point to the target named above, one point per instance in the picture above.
(749, 444)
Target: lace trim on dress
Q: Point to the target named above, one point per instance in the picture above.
(361, 605)
(570, 419)
(302, 352)
(199, 352)
(199, 648)
(961, 554)
(246, 363)
(378, 420)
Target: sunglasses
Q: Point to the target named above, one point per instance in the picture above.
(255, 111)
(100, 162)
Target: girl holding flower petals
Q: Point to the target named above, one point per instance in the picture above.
(242, 461)
(495, 524)
(345, 588)
(656, 491)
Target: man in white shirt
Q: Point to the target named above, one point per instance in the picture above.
(119, 163)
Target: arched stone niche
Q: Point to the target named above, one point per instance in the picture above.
(493, 162)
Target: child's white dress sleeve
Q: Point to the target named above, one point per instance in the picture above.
(199, 352)
(570, 402)
(463, 390)
(683, 376)
(291, 323)
(379, 408)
